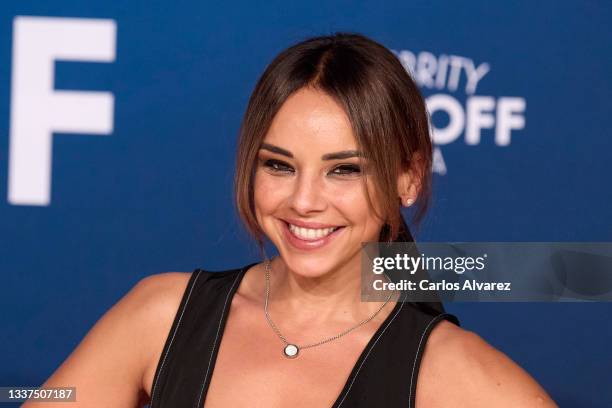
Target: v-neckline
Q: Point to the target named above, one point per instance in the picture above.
(354, 371)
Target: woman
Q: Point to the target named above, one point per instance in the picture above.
(334, 141)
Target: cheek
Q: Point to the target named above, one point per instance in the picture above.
(269, 192)
(350, 200)
(353, 202)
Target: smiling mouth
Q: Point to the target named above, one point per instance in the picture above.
(310, 234)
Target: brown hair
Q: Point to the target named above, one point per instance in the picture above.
(385, 108)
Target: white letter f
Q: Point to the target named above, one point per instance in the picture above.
(37, 110)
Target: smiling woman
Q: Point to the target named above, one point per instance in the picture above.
(335, 139)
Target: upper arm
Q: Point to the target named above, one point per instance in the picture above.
(108, 365)
(460, 369)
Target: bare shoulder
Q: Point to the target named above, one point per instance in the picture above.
(110, 364)
(461, 369)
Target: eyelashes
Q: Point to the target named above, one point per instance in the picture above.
(279, 167)
(276, 166)
(347, 169)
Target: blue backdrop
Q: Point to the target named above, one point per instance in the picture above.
(520, 99)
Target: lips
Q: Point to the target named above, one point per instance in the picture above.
(305, 236)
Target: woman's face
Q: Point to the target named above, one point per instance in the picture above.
(310, 196)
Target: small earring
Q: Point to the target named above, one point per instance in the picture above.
(409, 201)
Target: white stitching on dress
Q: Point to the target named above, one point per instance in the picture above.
(161, 368)
(434, 320)
(198, 404)
(368, 353)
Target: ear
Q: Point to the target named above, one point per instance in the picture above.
(409, 182)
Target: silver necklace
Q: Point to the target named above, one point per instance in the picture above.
(291, 350)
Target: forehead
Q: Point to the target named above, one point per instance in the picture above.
(311, 119)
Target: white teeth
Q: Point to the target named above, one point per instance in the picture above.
(310, 233)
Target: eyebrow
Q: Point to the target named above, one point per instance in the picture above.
(345, 154)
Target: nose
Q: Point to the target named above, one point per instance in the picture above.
(308, 195)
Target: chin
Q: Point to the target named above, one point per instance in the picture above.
(309, 266)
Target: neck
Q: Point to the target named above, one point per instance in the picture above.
(334, 296)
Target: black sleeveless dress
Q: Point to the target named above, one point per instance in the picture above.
(385, 374)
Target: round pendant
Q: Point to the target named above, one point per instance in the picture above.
(291, 351)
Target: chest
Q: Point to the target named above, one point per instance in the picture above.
(251, 370)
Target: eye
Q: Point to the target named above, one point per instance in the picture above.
(277, 166)
(347, 170)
